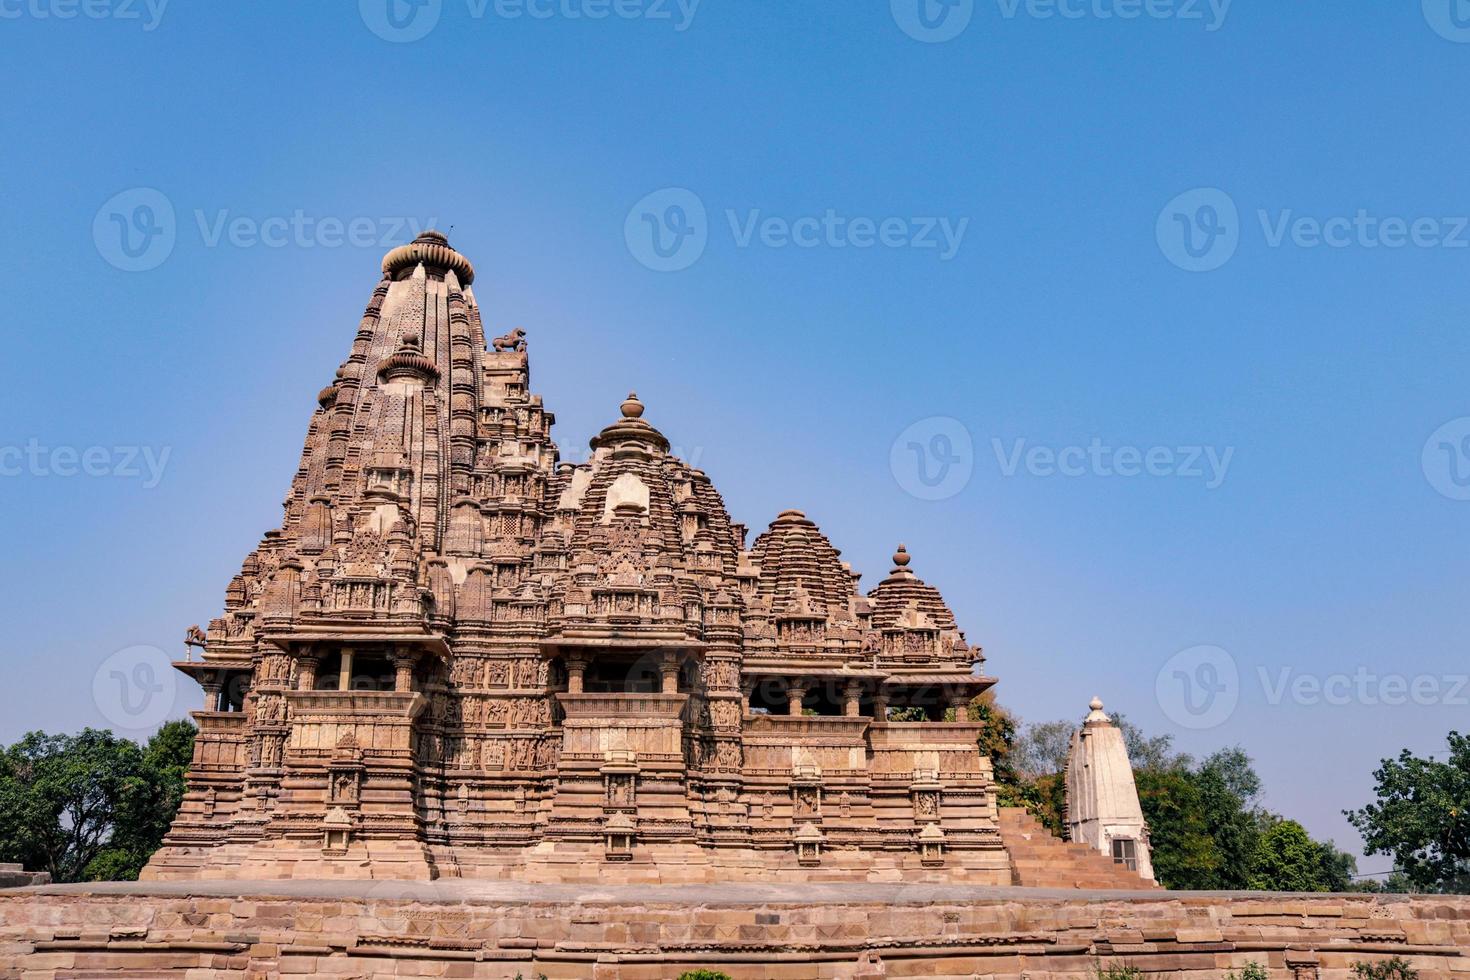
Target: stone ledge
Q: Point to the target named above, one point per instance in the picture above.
(1252, 905)
(494, 930)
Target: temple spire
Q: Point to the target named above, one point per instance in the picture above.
(1103, 811)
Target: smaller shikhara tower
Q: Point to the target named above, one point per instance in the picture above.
(1103, 811)
(459, 656)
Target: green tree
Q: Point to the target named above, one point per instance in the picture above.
(907, 714)
(999, 737)
(1252, 971)
(150, 809)
(1047, 801)
(1149, 752)
(1041, 794)
(1229, 793)
(1396, 968)
(1395, 883)
(1041, 749)
(1287, 859)
(1184, 854)
(1422, 817)
(90, 806)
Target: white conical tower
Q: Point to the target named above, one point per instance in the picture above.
(1103, 811)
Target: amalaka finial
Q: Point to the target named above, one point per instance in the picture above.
(632, 407)
(431, 251)
(1096, 704)
(901, 557)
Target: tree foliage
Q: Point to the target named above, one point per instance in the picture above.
(1149, 752)
(1396, 968)
(1422, 817)
(1251, 971)
(1041, 749)
(1183, 852)
(92, 806)
(1287, 859)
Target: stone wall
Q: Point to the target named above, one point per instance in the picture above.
(261, 930)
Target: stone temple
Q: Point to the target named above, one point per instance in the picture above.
(460, 657)
(498, 716)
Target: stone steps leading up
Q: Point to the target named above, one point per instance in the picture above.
(1040, 860)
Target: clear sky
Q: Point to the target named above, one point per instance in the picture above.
(944, 275)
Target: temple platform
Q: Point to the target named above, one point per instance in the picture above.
(499, 929)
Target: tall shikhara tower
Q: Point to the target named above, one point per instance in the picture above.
(459, 656)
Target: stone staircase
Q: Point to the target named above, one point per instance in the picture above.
(1039, 860)
(16, 876)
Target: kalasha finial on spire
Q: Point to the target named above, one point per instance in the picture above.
(901, 557)
(630, 431)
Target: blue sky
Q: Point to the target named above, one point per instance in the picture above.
(931, 291)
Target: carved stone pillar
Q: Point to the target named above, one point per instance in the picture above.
(306, 664)
(669, 673)
(853, 706)
(402, 671)
(576, 670)
(344, 675)
(961, 705)
(795, 693)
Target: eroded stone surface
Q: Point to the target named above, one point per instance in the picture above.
(754, 932)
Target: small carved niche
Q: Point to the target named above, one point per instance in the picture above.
(336, 832)
(809, 841)
(620, 790)
(931, 846)
(806, 801)
(344, 774)
(619, 832)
